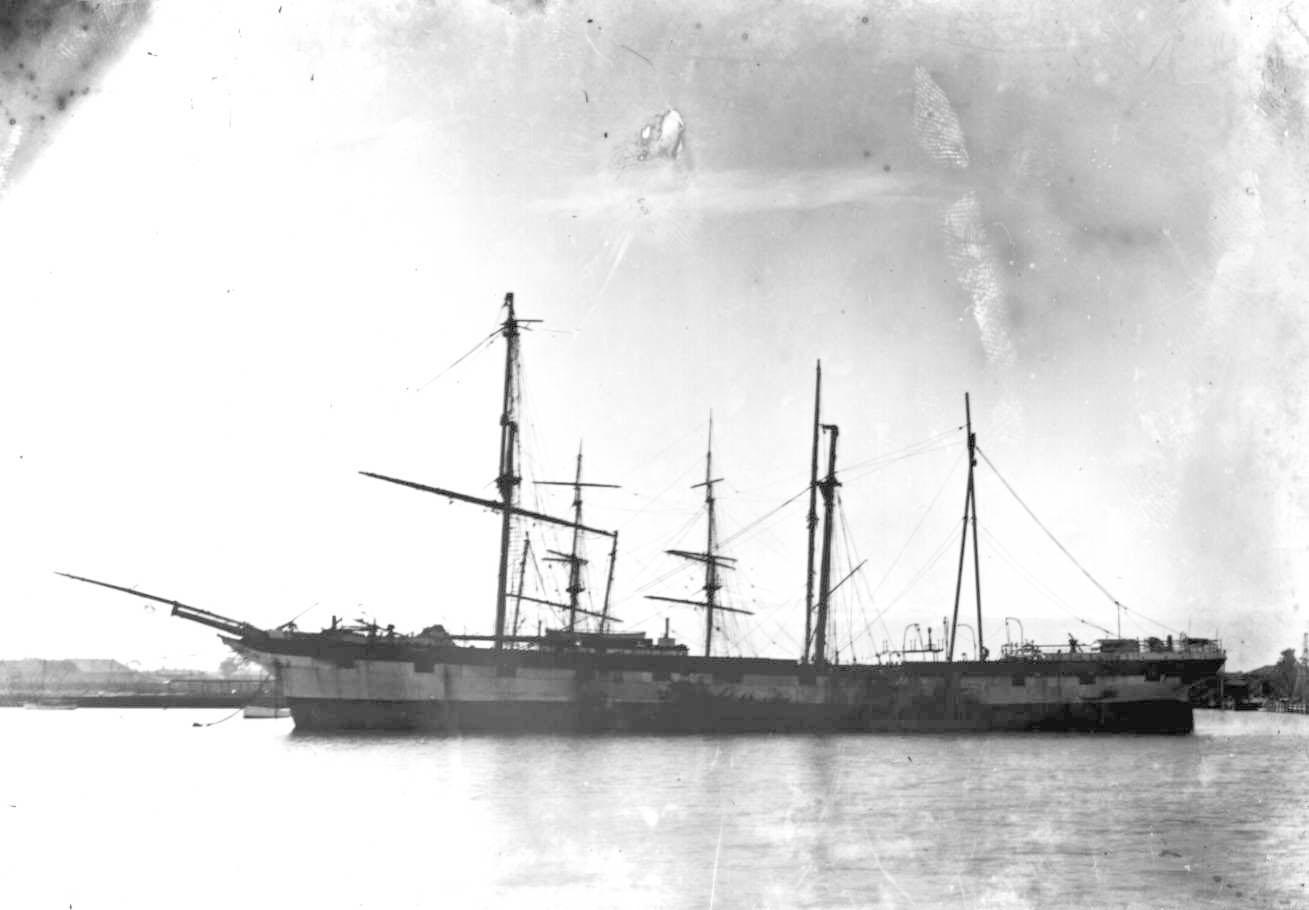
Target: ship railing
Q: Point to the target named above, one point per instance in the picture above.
(1180, 651)
(1284, 706)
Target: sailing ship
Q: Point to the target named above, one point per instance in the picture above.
(571, 679)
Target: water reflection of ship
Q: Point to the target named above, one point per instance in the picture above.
(585, 677)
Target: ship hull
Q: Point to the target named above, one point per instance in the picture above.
(728, 716)
(334, 685)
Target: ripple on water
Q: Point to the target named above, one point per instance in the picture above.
(1006, 821)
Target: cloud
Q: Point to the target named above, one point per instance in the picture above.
(521, 7)
(744, 191)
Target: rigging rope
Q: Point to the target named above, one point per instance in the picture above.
(1048, 533)
(872, 593)
(762, 518)
(922, 519)
(993, 542)
(859, 475)
(896, 454)
(722, 543)
(672, 538)
(994, 545)
(471, 351)
(941, 549)
(875, 463)
(851, 559)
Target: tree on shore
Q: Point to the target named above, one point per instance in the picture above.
(1278, 680)
(1284, 674)
(231, 666)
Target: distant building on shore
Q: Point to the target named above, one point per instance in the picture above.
(34, 676)
(77, 676)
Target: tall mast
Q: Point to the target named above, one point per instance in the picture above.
(813, 518)
(828, 489)
(574, 557)
(711, 585)
(972, 499)
(507, 483)
(712, 561)
(508, 480)
(970, 515)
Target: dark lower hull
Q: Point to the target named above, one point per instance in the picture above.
(733, 716)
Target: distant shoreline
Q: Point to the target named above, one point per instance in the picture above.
(134, 701)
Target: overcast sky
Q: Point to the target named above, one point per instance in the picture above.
(242, 243)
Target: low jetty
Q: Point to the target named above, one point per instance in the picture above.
(110, 684)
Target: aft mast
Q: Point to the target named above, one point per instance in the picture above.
(813, 518)
(828, 489)
(970, 515)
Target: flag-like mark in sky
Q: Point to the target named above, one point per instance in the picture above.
(660, 140)
(662, 136)
(935, 123)
(973, 257)
(939, 134)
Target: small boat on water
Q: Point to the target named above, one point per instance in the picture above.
(266, 705)
(51, 704)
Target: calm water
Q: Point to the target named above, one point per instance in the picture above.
(139, 809)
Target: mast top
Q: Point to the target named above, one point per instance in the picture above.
(577, 480)
(511, 320)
